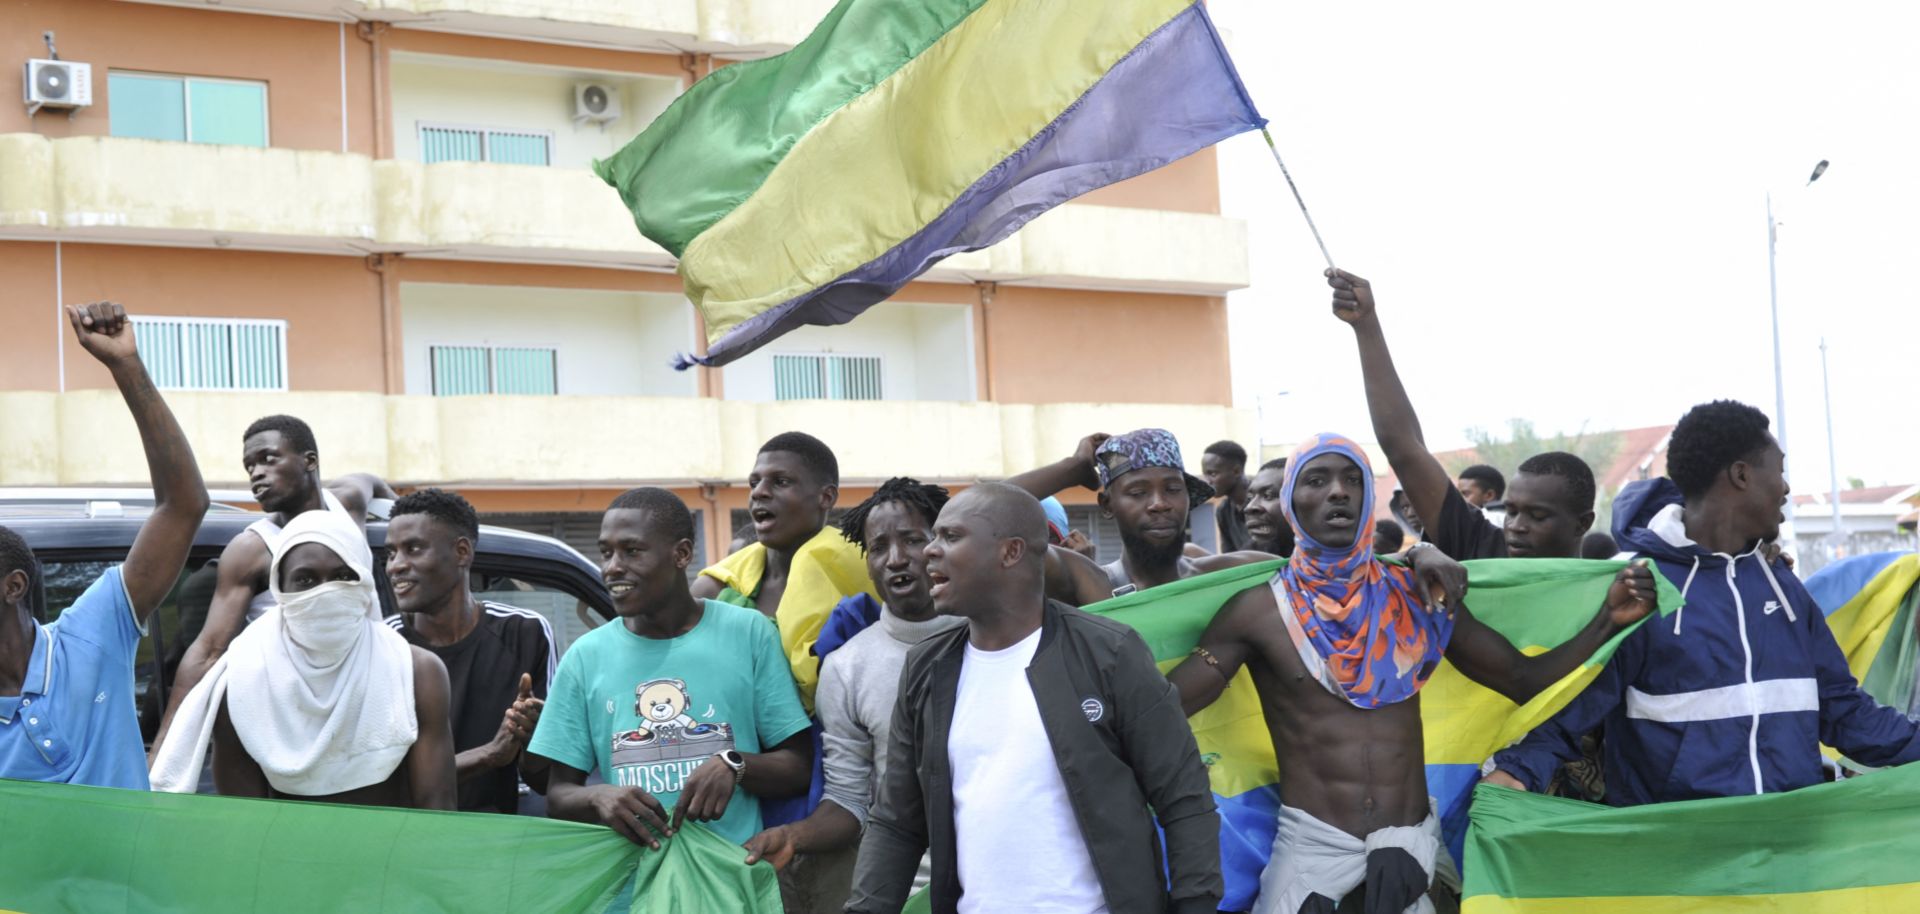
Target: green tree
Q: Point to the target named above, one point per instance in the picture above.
(1522, 440)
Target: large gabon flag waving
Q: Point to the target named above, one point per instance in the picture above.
(806, 187)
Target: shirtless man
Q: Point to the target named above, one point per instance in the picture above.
(1346, 730)
(1144, 488)
(283, 467)
(319, 700)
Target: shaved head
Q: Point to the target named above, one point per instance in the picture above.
(989, 553)
(1010, 512)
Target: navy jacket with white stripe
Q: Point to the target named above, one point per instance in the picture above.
(1732, 694)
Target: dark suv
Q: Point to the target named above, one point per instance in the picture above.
(77, 542)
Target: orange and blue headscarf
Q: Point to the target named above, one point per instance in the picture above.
(1360, 624)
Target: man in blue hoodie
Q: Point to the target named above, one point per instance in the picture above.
(1736, 695)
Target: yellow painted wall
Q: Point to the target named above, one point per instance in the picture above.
(87, 438)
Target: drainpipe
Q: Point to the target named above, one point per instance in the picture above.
(719, 533)
(694, 64)
(382, 266)
(373, 32)
(987, 292)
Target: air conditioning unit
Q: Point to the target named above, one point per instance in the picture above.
(597, 102)
(58, 84)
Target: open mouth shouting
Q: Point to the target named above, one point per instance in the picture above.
(902, 584)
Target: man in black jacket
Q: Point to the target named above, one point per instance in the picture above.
(1034, 747)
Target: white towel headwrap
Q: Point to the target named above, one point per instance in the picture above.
(319, 691)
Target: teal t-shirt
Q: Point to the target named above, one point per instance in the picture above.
(646, 712)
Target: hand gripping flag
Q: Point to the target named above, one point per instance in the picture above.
(804, 188)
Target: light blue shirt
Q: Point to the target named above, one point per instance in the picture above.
(74, 721)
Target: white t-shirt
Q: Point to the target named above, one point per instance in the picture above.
(1009, 802)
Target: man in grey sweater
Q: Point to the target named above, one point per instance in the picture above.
(859, 681)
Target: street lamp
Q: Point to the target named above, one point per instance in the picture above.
(1833, 466)
(1773, 296)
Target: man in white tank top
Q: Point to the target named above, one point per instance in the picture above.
(283, 468)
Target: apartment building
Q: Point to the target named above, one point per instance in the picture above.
(378, 215)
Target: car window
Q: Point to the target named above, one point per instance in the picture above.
(567, 613)
(170, 629)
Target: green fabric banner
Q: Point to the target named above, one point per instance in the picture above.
(1839, 847)
(103, 851)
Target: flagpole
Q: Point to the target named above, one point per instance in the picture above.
(1296, 197)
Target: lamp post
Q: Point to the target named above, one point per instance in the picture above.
(1833, 466)
(1773, 298)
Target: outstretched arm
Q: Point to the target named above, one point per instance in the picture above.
(1489, 659)
(1229, 641)
(179, 495)
(357, 490)
(1064, 474)
(1394, 422)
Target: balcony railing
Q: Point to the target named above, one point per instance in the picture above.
(86, 437)
(147, 191)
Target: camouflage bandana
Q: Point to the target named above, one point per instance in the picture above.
(1143, 449)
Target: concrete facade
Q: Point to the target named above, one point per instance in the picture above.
(1105, 314)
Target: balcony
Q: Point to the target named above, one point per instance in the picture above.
(86, 437)
(119, 190)
(729, 28)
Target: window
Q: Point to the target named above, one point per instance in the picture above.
(826, 377)
(466, 370)
(211, 353)
(449, 143)
(173, 625)
(187, 109)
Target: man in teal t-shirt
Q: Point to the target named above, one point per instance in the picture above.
(684, 705)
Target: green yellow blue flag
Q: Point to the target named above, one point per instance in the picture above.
(805, 187)
(108, 851)
(1537, 604)
(1870, 602)
(1844, 848)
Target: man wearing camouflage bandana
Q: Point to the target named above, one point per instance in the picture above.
(1146, 489)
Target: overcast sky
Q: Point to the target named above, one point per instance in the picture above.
(1563, 214)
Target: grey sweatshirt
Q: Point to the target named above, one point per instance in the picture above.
(858, 683)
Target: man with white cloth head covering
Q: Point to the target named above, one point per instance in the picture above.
(318, 700)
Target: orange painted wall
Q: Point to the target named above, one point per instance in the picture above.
(331, 304)
(29, 317)
(1190, 185)
(1118, 347)
(299, 59)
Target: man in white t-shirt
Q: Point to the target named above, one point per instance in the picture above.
(1050, 742)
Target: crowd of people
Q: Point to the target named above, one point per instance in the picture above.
(913, 699)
